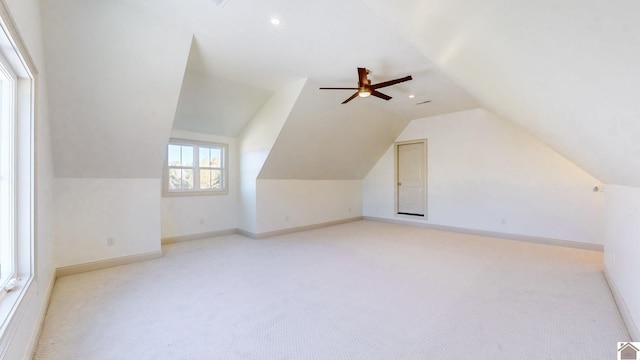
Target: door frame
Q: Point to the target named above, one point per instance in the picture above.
(396, 165)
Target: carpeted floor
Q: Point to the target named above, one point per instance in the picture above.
(363, 290)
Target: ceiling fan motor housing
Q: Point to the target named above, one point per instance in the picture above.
(365, 88)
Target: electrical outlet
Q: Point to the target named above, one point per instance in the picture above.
(201, 221)
(503, 221)
(111, 241)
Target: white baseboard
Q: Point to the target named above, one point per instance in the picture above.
(35, 335)
(631, 325)
(291, 230)
(104, 264)
(518, 237)
(246, 233)
(198, 236)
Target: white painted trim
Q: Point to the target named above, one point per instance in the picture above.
(246, 233)
(9, 155)
(631, 325)
(291, 230)
(25, 141)
(196, 167)
(104, 264)
(35, 335)
(508, 236)
(18, 300)
(18, 43)
(194, 193)
(198, 236)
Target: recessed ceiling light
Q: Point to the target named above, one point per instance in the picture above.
(411, 96)
(275, 21)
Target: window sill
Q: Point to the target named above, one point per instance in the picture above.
(10, 302)
(193, 193)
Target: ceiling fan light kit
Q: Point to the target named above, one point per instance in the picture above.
(365, 88)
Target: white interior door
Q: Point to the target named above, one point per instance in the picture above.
(411, 162)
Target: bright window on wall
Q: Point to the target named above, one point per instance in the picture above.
(7, 173)
(195, 168)
(17, 173)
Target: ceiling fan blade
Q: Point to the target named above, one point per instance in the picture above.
(380, 95)
(351, 98)
(337, 88)
(391, 82)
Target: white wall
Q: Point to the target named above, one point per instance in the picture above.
(622, 249)
(88, 211)
(482, 169)
(215, 105)
(26, 14)
(189, 215)
(284, 204)
(323, 139)
(254, 144)
(115, 75)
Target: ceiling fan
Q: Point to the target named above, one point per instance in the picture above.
(365, 88)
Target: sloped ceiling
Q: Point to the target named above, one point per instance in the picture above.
(114, 77)
(213, 104)
(567, 71)
(236, 48)
(324, 140)
(117, 69)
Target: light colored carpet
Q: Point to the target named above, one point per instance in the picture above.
(363, 290)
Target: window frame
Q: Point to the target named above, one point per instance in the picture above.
(196, 191)
(8, 168)
(14, 297)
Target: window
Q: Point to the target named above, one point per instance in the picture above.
(7, 172)
(195, 168)
(17, 176)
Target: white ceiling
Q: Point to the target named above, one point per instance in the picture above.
(565, 71)
(322, 40)
(215, 105)
(324, 140)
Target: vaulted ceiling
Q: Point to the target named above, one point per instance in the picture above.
(325, 140)
(237, 49)
(566, 71)
(122, 71)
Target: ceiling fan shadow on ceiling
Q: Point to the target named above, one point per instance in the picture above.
(365, 88)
